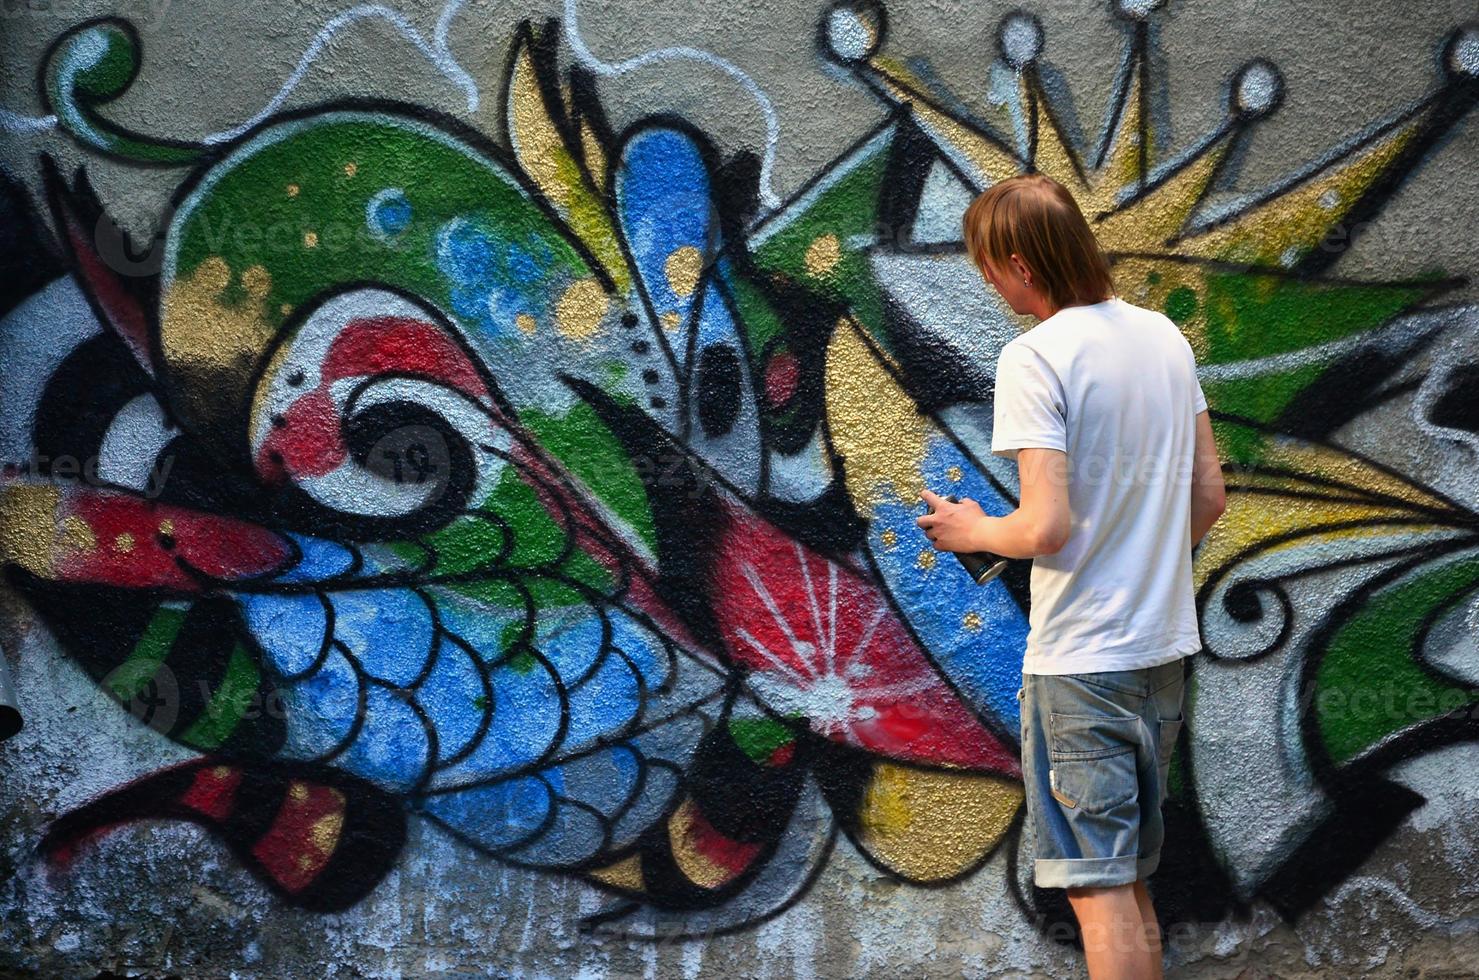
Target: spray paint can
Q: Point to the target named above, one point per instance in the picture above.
(981, 566)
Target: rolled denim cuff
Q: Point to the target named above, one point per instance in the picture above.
(1086, 872)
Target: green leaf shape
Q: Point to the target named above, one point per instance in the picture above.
(1369, 683)
(1252, 315)
(1264, 397)
(846, 208)
(228, 705)
(592, 454)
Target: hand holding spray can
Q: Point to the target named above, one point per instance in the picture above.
(982, 566)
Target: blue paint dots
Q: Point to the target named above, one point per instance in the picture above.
(522, 264)
(470, 304)
(491, 280)
(388, 213)
(464, 253)
(975, 634)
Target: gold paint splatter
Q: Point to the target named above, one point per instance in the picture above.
(293, 190)
(221, 772)
(526, 323)
(926, 559)
(876, 428)
(1296, 221)
(166, 526)
(212, 273)
(351, 168)
(1261, 514)
(325, 832)
(77, 534)
(307, 861)
(625, 874)
(932, 825)
(823, 254)
(298, 791)
(971, 621)
(310, 239)
(889, 538)
(210, 347)
(257, 281)
(285, 309)
(984, 155)
(671, 320)
(682, 269)
(124, 543)
(954, 474)
(579, 311)
(27, 522)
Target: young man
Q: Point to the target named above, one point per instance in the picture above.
(1100, 406)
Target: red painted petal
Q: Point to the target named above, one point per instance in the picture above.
(782, 374)
(935, 727)
(707, 856)
(372, 346)
(822, 642)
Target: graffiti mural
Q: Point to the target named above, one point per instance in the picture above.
(552, 484)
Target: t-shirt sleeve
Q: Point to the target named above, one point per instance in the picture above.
(1029, 407)
(1198, 397)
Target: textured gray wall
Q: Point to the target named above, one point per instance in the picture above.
(1326, 806)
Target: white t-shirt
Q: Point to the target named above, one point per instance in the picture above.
(1114, 386)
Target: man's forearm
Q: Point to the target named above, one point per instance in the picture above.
(1203, 516)
(1014, 536)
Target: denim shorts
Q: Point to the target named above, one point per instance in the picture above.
(1096, 749)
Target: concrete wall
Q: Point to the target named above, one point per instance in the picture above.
(461, 467)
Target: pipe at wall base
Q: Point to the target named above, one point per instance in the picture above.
(10, 711)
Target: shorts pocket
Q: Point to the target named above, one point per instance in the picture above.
(1092, 761)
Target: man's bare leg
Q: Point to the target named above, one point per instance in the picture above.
(1151, 923)
(1116, 943)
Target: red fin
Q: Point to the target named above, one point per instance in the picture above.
(103, 259)
(321, 839)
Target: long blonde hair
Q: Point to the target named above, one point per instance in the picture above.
(1037, 218)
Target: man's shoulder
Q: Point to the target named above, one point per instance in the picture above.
(1026, 349)
(1149, 315)
(1049, 341)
